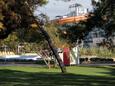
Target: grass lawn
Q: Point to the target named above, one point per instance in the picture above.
(41, 76)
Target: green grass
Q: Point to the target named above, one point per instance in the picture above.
(41, 76)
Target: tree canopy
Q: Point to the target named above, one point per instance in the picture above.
(17, 14)
(102, 16)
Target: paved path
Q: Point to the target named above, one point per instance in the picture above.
(37, 65)
(32, 65)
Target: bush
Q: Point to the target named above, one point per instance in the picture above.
(100, 52)
(101, 60)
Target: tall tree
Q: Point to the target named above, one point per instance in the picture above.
(18, 14)
(103, 16)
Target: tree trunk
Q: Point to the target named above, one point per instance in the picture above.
(48, 39)
(53, 49)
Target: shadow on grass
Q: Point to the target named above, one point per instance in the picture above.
(20, 78)
(110, 68)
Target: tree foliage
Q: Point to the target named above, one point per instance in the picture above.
(17, 14)
(103, 17)
(105, 9)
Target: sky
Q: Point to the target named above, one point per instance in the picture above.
(59, 8)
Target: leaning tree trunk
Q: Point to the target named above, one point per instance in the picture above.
(53, 49)
(48, 39)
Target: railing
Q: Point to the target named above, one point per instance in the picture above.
(72, 19)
